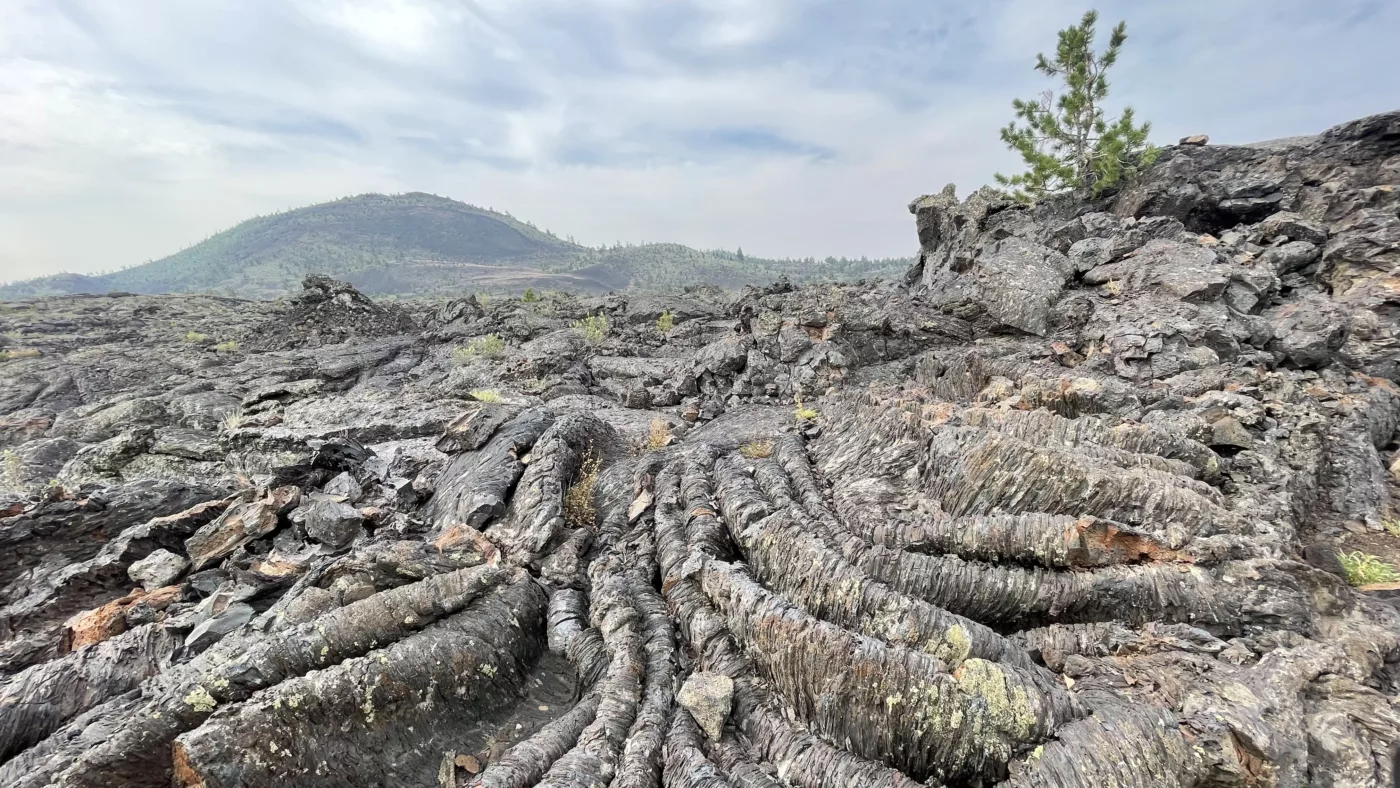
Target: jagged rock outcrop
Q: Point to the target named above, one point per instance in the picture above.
(1062, 509)
(328, 312)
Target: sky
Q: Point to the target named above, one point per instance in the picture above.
(130, 129)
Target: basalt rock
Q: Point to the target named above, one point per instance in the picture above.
(328, 312)
(1064, 508)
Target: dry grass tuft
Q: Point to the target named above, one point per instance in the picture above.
(579, 511)
(757, 450)
(232, 421)
(658, 435)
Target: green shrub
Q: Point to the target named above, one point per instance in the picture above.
(17, 353)
(489, 346)
(196, 338)
(803, 413)
(666, 322)
(485, 395)
(227, 347)
(530, 297)
(594, 328)
(1363, 569)
(484, 299)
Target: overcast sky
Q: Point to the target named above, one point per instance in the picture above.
(132, 128)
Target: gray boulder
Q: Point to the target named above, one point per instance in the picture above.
(1309, 332)
(1289, 257)
(344, 486)
(211, 631)
(708, 697)
(157, 570)
(332, 523)
(1286, 226)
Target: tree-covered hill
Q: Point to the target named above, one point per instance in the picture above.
(421, 244)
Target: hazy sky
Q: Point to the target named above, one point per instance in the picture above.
(132, 128)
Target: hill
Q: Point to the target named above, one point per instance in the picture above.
(421, 244)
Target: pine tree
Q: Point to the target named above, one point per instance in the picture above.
(1067, 142)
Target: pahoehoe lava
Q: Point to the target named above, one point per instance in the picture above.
(1061, 509)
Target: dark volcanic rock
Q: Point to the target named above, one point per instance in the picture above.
(1071, 506)
(332, 523)
(328, 312)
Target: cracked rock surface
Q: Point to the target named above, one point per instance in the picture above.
(1063, 508)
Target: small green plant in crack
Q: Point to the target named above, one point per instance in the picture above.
(594, 328)
(1364, 569)
(1392, 527)
(231, 346)
(196, 338)
(489, 346)
(804, 413)
(18, 353)
(530, 296)
(485, 395)
(666, 322)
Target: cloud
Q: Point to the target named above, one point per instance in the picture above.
(132, 128)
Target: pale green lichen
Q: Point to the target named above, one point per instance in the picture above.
(1008, 708)
(368, 706)
(956, 646)
(200, 700)
(487, 670)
